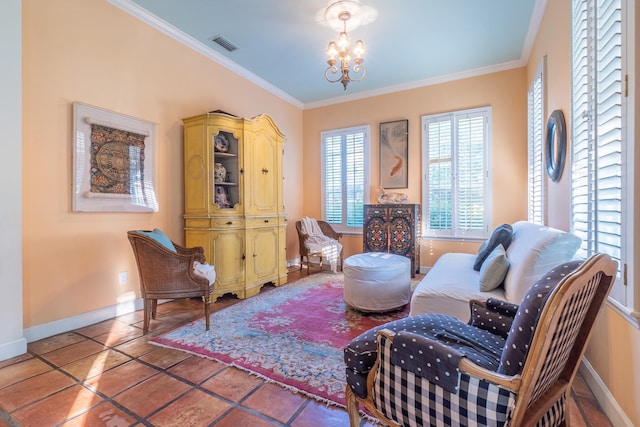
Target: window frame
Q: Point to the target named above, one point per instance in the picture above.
(535, 149)
(342, 227)
(624, 298)
(455, 233)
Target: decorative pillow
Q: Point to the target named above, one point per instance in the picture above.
(502, 235)
(494, 269)
(159, 237)
(524, 324)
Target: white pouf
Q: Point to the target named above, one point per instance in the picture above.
(377, 281)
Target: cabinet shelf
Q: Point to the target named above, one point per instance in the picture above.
(220, 154)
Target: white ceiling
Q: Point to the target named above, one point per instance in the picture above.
(411, 43)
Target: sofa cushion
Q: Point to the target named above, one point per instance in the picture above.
(535, 250)
(494, 269)
(449, 286)
(524, 323)
(502, 235)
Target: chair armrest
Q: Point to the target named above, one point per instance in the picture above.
(197, 251)
(509, 382)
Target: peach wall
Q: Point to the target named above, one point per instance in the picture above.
(92, 52)
(504, 91)
(553, 41)
(615, 345)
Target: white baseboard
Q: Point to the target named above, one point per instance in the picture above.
(293, 262)
(81, 320)
(604, 397)
(13, 349)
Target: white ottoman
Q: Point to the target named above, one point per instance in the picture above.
(377, 281)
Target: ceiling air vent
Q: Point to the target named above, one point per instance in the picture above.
(226, 44)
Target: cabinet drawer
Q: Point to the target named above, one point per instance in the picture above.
(196, 223)
(232, 222)
(262, 222)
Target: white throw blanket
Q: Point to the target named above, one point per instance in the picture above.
(205, 270)
(318, 242)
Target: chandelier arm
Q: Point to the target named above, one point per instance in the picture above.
(334, 71)
(357, 69)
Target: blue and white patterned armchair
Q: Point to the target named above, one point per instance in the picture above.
(509, 366)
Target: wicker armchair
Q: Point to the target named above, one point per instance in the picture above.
(511, 365)
(165, 274)
(328, 231)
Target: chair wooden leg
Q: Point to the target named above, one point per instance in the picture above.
(154, 308)
(207, 306)
(352, 408)
(147, 315)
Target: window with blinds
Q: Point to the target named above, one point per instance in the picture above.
(535, 138)
(345, 154)
(456, 196)
(598, 157)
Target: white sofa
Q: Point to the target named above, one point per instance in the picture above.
(452, 282)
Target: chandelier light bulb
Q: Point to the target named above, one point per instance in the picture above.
(358, 49)
(343, 41)
(332, 50)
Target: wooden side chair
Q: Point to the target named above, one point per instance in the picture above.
(166, 271)
(510, 366)
(327, 230)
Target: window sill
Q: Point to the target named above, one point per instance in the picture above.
(631, 316)
(455, 239)
(350, 233)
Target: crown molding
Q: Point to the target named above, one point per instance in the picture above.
(418, 84)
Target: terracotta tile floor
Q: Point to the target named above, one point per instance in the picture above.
(108, 375)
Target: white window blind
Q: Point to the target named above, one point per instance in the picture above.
(597, 129)
(535, 137)
(455, 174)
(345, 176)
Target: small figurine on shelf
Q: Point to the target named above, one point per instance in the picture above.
(388, 197)
(221, 143)
(219, 172)
(222, 197)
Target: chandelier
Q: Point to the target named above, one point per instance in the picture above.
(343, 10)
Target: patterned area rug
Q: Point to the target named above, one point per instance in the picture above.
(292, 335)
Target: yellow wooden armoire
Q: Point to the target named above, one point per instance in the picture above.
(233, 199)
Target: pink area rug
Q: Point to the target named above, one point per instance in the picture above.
(292, 335)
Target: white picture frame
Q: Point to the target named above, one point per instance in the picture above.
(113, 162)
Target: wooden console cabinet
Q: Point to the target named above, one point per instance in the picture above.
(233, 200)
(394, 229)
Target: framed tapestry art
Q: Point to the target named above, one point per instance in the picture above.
(113, 162)
(394, 147)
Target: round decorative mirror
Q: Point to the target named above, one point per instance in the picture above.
(556, 145)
